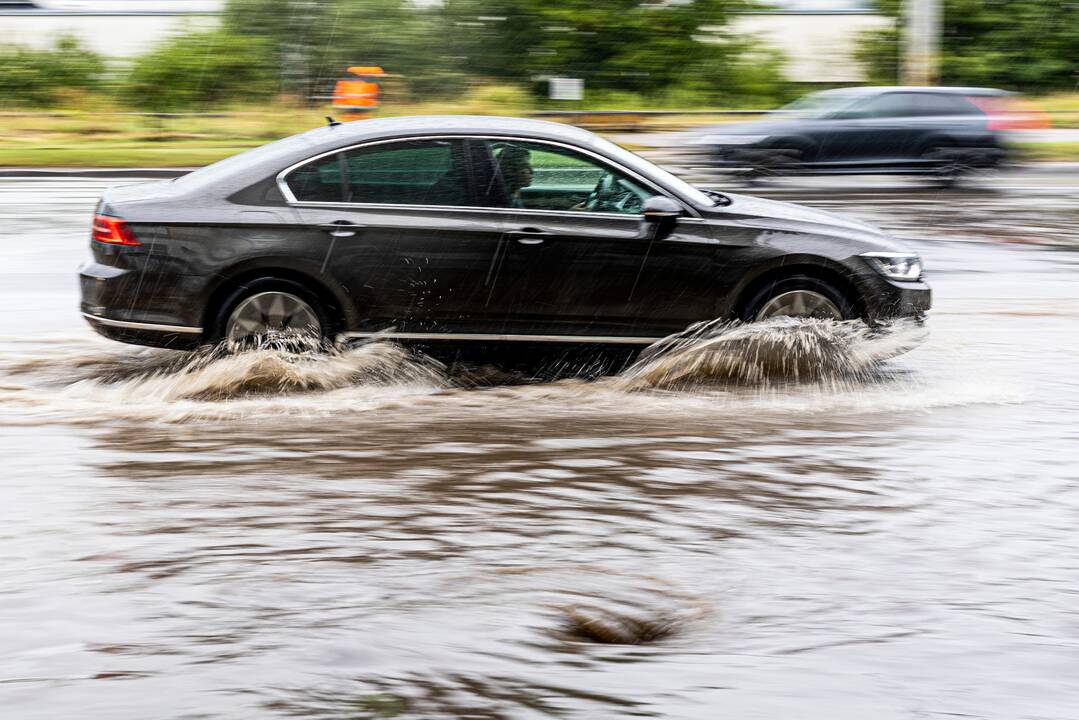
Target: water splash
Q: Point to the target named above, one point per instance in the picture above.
(83, 380)
(269, 368)
(777, 351)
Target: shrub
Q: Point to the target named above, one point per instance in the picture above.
(44, 77)
(202, 68)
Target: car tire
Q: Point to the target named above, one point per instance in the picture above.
(785, 297)
(946, 165)
(269, 298)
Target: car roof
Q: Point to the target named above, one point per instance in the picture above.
(451, 124)
(234, 171)
(881, 89)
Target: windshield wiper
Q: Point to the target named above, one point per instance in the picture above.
(721, 199)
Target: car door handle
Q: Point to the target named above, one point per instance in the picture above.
(528, 236)
(341, 228)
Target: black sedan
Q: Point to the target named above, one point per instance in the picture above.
(468, 229)
(943, 131)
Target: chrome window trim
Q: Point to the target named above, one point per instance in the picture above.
(502, 337)
(143, 326)
(291, 199)
(469, 208)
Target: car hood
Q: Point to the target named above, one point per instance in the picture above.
(776, 215)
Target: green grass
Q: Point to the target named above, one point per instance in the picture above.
(1049, 151)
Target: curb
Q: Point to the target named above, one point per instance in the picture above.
(94, 172)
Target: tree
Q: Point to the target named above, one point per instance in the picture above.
(1025, 45)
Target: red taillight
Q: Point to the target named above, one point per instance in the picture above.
(113, 231)
(1011, 113)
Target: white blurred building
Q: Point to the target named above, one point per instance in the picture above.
(114, 28)
(818, 37)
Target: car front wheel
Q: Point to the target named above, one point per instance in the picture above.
(800, 297)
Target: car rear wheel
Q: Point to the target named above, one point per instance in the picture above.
(272, 311)
(775, 161)
(800, 297)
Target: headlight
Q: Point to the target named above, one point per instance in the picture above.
(897, 266)
(731, 139)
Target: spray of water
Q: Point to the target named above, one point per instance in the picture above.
(83, 379)
(777, 351)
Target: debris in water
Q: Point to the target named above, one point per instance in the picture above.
(604, 626)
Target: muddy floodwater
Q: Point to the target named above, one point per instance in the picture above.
(372, 535)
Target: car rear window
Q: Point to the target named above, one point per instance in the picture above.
(317, 181)
(936, 104)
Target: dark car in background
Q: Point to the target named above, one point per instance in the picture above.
(468, 229)
(940, 131)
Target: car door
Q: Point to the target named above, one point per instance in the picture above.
(408, 239)
(574, 258)
(877, 129)
(945, 119)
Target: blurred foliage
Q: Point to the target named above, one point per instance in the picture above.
(43, 78)
(655, 53)
(648, 47)
(653, 49)
(1026, 45)
(314, 42)
(199, 69)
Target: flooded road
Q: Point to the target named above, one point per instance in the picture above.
(370, 536)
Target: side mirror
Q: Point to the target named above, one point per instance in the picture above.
(660, 216)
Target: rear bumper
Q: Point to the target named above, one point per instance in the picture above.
(108, 305)
(138, 333)
(749, 157)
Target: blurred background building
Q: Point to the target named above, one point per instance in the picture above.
(112, 28)
(818, 38)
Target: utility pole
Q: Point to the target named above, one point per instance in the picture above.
(921, 42)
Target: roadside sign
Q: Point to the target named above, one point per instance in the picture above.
(563, 88)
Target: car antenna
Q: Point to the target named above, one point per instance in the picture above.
(332, 122)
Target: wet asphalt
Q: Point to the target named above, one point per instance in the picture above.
(370, 537)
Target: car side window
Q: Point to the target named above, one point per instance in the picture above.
(935, 105)
(411, 172)
(886, 106)
(536, 176)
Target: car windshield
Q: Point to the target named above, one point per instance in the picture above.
(816, 105)
(636, 162)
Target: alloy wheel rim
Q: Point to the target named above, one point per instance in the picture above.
(800, 304)
(272, 313)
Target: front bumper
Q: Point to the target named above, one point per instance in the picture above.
(887, 299)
